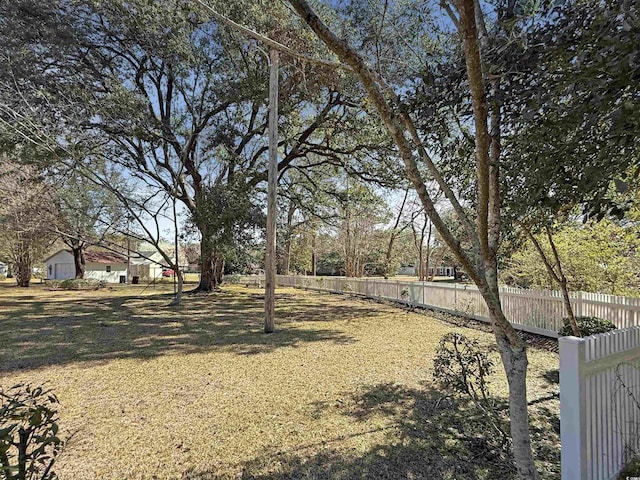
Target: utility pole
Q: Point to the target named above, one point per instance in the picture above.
(128, 250)
(272, 185)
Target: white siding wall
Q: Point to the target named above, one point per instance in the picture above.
(98, 271)
(60, 266)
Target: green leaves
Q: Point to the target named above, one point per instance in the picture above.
(570, 85)
(28, 423)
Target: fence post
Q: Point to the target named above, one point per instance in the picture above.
(572, 409)
(579, 302)
(455, 296)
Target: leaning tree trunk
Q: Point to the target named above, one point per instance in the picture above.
(558, 276)
(78, 260)
(484, 237)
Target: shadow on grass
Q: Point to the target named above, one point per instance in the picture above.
(433, 436)
(39, 332)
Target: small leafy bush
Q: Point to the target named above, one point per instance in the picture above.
(79, 284)
(631, 470)
(2, 277)
(461, 366)
(232, 279)
(29, 442)
(587, 326)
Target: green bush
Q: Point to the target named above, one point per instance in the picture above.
(462, 366)
(2, 277)
(79, 284)
(232, 279)
(587, 326)
(29, 442)
(631, 470)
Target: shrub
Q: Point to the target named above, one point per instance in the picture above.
(233, 279)
(28, 424)
(587, 326)
(631, 470)
(79, 284)
(2, 277)
(461, 365)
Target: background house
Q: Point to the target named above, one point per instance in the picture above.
(106, 266)
(148, 264)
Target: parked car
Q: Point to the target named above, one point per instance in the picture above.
(167, 272)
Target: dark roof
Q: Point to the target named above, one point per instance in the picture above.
(103, 257)
(96, 256)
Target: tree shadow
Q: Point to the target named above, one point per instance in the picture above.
(37, 332)
(433, 436)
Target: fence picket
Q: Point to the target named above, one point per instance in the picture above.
(599, 420)
(536, 311)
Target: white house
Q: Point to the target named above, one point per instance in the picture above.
(147, 264)
(106, 266)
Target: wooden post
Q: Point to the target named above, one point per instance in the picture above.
(270, 256)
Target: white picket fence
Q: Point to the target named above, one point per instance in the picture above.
(599, 403)
(536, 311)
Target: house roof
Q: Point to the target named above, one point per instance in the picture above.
(103, 257)
(96, 257)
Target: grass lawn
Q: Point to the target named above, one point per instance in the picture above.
(342, 390)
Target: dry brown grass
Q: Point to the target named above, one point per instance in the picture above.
(342, 390)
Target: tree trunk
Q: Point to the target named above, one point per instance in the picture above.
(563, 285)
(218, 269)
(387, 257)
(286, 258)
(22, 266)
(78, 260)
(515, 362)
(480, 259)
(569, 308)
(207, 266)
(427, 262)
(177, 300)
(558, 276)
